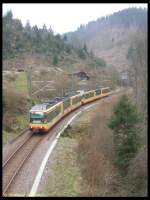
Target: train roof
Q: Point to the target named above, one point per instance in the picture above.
(47, 104)
(98, 88)
(71, 93)
(39, 107)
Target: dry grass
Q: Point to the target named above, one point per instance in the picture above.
(96, 158)
(137, 174)
(96, 154)
(63, 173)
(14, 107)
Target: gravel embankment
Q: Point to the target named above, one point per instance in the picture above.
(11, 146)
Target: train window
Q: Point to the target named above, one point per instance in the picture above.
(66, 103)
(48, 106)
(77, 99)
(54, 113)
(105, 90)
(37, 115)
(91, 94)
(98, 91)
(88, 95)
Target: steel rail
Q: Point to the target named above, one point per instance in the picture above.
(21, 163)
(19, 135)
(18, 148)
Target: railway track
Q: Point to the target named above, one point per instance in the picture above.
(19, 135)
(12, 166)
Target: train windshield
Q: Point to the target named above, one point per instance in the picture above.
(37, 115)
(38, 118)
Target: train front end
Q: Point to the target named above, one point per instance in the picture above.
(38, 121)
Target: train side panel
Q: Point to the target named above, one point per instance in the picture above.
(55, 113)
(105, 91)
(76, 101)
(88, 96)
(66, 106)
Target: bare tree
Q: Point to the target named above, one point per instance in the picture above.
(138, 58)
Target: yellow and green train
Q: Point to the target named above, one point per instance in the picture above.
(43, 116)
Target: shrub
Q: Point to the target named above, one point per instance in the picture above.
(11, 77)
(124, 123)
(13, 102)
(8, 121)
(137, 173)
(14, 105)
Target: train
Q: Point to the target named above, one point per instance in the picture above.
(45, 115)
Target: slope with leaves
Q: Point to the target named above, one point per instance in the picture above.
(109, 36)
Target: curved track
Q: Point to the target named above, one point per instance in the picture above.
(12, 166)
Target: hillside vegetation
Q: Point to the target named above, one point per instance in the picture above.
(109, 36)
(39, 47)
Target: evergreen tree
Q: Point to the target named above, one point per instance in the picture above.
(124, 123)
(8, 16)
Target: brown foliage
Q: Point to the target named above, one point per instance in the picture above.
(96, 155)
(138, 69)
(11, 77)
(137, 174)
(13, 101)
(96, 158)
(13, 104)
(8, 121)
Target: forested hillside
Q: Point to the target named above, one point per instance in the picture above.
(23, 45)
(18, 39)
(109, 36)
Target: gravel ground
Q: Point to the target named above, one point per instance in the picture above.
(10, 147)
